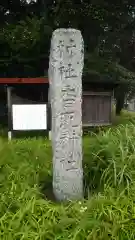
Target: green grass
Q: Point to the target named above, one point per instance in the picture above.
(108, 210)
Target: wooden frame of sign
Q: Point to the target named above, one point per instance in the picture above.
(10, 105)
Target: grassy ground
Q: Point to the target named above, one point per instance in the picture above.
(108, 210)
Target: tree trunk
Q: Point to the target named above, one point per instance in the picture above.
(120, 98)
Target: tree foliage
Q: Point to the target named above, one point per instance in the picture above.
(107, 29)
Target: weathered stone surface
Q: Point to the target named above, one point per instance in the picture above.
(65, 78)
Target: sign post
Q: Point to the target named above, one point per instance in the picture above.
(26, 117)
(9, 105)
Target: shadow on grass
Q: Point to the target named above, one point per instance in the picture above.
(47, 189)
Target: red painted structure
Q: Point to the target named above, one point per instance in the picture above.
(23, 80)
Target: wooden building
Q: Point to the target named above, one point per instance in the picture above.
(97, 104)
(96, 99)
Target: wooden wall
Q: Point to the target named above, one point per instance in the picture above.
(96, 108)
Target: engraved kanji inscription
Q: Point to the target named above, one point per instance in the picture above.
(66, 118)
(71, 48)
(65, 80)
(60, 47)
(70, 71)
(67, 71)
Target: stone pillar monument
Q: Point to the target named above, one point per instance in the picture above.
(65, 78)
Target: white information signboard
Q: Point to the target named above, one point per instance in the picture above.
(29, 117)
